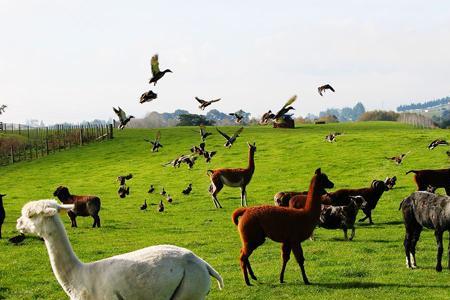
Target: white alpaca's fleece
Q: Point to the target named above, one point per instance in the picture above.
(156, 272)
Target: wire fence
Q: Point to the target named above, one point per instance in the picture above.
(21, 142)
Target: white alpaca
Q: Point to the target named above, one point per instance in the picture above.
(157, 272)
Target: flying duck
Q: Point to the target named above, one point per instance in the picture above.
(230, 140)
(436, 143)
(398, 159)
(267, 117)
(238, 116)
(203, 133)
(123, 118)
(155, 144)
(204, 103)
(285, 108)
(325, 87)
(148, 96)
(156, 73)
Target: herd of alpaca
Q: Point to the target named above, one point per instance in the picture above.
(172, 272)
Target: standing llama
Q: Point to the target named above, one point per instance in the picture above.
(424, 209)
(233, 178)
(287, 226)
(157, 272)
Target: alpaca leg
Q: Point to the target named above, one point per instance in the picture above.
(243, 197)
(298, 253)
(352, 235)
(244, 262)
(72, 217)
(407, 246)
(250, 270)
(370, 217)
(285, 255)
(438, 234)
(415, 239)
(217, 186)
(96, 221)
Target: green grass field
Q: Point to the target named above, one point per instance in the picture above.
(372, 266)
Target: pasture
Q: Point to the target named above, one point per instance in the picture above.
(372, 266)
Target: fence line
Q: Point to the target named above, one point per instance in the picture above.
(21, 142)
(417, 120)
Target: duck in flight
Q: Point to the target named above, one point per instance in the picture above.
(204, 103)
(157, 74)
(123, 118)
(325, 87)
(232, 139)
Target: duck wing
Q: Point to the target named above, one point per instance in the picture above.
(200, 100)
(155, 64)
(223, 134)
(238, 132)
(120, 113)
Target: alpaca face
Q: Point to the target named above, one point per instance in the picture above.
(324, 181)
(36, 213)
(33, 214)
(61, 192)
(379, 185)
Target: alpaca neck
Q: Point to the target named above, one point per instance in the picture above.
(313, 202)
(251, 161)
(65, 263)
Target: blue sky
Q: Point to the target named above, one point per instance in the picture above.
(74, 60)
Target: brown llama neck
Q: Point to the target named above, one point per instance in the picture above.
(251, 160)
(313, 201)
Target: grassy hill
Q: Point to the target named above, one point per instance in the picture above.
(371, 266)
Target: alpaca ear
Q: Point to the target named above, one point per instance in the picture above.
(65, 207)
(49, 211)
(318, 171)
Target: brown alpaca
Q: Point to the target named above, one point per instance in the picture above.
(284, 225)
(233, 178)
(435, 178)
(84, 205)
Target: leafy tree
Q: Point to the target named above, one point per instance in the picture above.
(194, 120)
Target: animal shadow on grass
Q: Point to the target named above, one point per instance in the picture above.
(3, 292)
(392, 223)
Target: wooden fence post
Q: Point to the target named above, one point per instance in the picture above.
(110, 131)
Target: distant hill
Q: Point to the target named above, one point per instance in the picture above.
(155, 119)
(425, 105)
